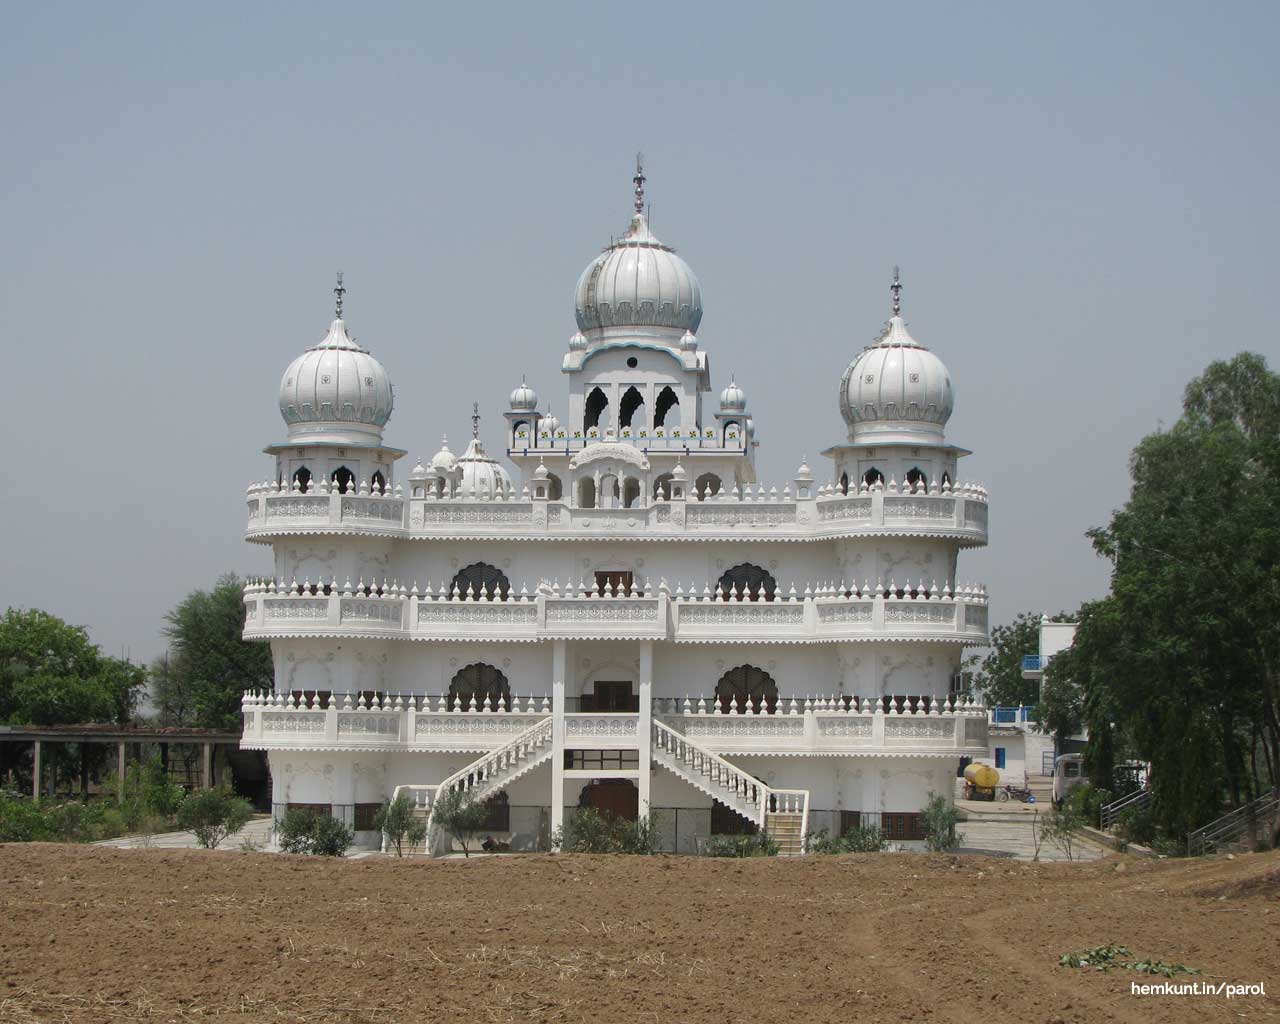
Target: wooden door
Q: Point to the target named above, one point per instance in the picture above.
(614, 583)
(616, 797)
(615, 696)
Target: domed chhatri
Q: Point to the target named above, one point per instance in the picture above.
(524, 398)
(638, 282)
(444, 460)
(896, 390)
(733, 398)
(336, 391)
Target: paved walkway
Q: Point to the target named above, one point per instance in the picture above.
(256, 832)
(1014, 839)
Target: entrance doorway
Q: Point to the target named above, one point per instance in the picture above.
(618, 798)
(615, 696)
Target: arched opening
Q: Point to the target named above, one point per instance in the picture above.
(631, 493)
(481, 578)
(615, 798)
(844, 483)
(482, 683)
(632, 402)
(662, 487)
(872, 477)
(379, 483)
(586, 492)
(609, 494)
(915, 475)
(303, 479)
(732, 432)
(748, 581)
(597, 404)
(555, 488)
(439, 486)
(667, 399)
(343, 479)
(706, 485)
(946, 479)
(747, 686)
(520, 433)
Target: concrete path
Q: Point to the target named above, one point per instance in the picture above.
(256, 832)
(1013, 839)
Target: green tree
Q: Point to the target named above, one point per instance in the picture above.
(1000, 677)
(401, 824)
(214, 814)
(209, 665)
(1182, 660)
(460, 817)
(940, 820)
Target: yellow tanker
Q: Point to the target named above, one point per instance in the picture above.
(981, 781)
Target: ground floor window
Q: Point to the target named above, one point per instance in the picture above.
(318, 808)
(499, 811)
(599, 760)
(902, 826)
(365, 815)
(725, 821)
(999, 757)
(850, 819)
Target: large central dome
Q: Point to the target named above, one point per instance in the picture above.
(638, 282)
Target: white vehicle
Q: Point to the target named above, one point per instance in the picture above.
(1068, 772)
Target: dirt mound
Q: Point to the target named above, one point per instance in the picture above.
(96, 934)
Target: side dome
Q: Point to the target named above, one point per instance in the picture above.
(336, 391)
(897, 390)
(733, 398)
(524, 398)
(481, 473)
(638, 281)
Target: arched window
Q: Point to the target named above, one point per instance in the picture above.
(303, 479)
(749, 581)
(706, 485)
(609, 495)
(631, 493)
(632, 402)
(555, 489)
(662, 487)
(732, 432)
(915, 475)
(747, 686)
(844, 483)
(379, 483)
(343, 479)
(586, 493)
(479, 681)
(516, 427)
(481, 577)
(667, 399)
(872, 477)
(946, 479)
(597, 403)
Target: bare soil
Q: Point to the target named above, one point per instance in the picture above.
(99, 934)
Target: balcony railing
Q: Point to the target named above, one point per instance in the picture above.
(828, 612)
(1034, 662)
(850, 725)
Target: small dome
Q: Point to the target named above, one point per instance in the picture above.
(524, 398)
(577, 341)
(733, 398)
(803, 472)
(419, 472)
(689, 341)
(481, 474)
(336, 391)
(444, 461)
(541, 473)
(896, 390)
(679, 473)
(549, 423)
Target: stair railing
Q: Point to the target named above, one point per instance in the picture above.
(1232, 824)
(1110, 813)
(715, 769)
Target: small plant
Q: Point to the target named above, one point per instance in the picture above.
(214, 814)
(858, 839)
(1137, 825)
(758, 845)
(398, 822)
(1104, 958)
(587, 830)
(940, 818)
(1061, 829)
(305, 830)
(460, 816)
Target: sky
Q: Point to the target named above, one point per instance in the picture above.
(1082, 199)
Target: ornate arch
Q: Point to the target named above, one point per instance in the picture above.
(916, 475)
(746, 686)
(844, 483)
(667, 399)
(749, 581)
(597, 405)
(378, 485)
(481, 682)
(872, 477)
(632, 402)
(706, 485)
(481, 576)
(343, 479)
(302, 477)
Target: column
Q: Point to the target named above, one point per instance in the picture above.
(206, 766)
(120, 769)
(644, 728)
(559, 672)
(35, 772)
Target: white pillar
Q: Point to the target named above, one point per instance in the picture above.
(645, 727)
(206, 766)
(559, 671)
(35, 773)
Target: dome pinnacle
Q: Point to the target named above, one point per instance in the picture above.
(896, 289)
(338, 292)
(639, 180)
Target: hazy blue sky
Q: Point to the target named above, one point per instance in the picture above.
(1083, 199)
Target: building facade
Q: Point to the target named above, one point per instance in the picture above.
(627, 618)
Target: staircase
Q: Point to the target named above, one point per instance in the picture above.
(482, 778)
(783, 814)
(1244, 826)
(1109, 814)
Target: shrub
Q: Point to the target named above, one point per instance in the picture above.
(160, 795)
(460, 816)
(586, 830)
(304, 830)
(1061, 828)
(1137, 825)
(24, 821)
(940, 818)
(758, 845)
(398, 822)
(1087, 801)
(858, 839)
(214, 814)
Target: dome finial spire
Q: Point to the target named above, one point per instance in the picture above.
(896, 289)
(475, 421)
(338, 292)
(639, 182)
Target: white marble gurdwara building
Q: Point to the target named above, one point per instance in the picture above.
(630, 620)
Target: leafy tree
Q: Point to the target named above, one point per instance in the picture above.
(460, 817)
(398, 821)
(210, 665)
(1000, 676)
(1181, 662)
(214, 814)
(940, 820)
(306, 830)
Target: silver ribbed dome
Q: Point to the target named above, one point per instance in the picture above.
(481, 473)
(638, 282)
(896, 390)
(524, 398)
(336, 391)
(733, 398)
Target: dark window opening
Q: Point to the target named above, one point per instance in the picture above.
(343, 479)
(303, 479)
(706, 485)
(667, 399)
(748, 581)
(946, 479)
(597, 403)
(555, 489)
(632, 402)
(916, 475)
(601, 760)
(747, 687)
(872, 477)
(498, 811)
(378, 484)
(632, 362)
(586, 493)
(725, 821)
(631, 493)
(481, 579)
(482, 683)
(612, 696)
(366, 816)
(902, 826)
(662, 487)
(844, 483)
